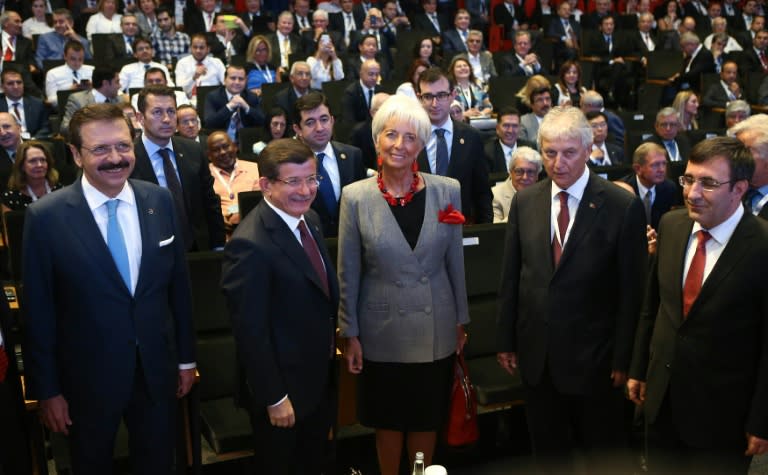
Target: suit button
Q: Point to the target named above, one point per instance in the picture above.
(399, 284)
(424, 280)
(668, 366)
(427, 309)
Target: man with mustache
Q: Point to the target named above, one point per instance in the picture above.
(178, 164)
(102, 299)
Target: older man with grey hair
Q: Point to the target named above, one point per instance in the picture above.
(524, 170)
(592, 101)
(735, 112)
(667, 128)
(698, 61)
(753, 133)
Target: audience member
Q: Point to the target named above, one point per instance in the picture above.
(339, 164)
(523, 96)
(481, 61)
(725, 91)
(603, 153)
(199, 16)
(409, 87)
(698, 60)
(129, 112)
(199, 68)
(106, 88)
(592, 101)
(754, 59)
(719, 26)
(156, 76)
(566, 33)
(10, 139)
(541, 102)
(430, 22)
(686, 104)
(511, 15)
(301, 16)
(454, 149)
(119, 47)
(284, 42)
(259, 22)
(259, 70)
(521, 62)
(50, 46)
(367, 48)
(167, 42)
(613, 72)
(325, 65)
(32, 176)
(188, 124)
(300, 79)
(311, 37)
(226, 42)
(72, 75)
(568, 89)
(357, 100)
(37, 23)
(455, 39)
(499, 150)
(15, 46)
(667, 128)
(346, 21)
(29, 111)
(231, 107)
(132, 75)
(736, 112)
(105, 20)
(147, 17)
(593, 20)
(524, 169)
(361, 135)
(753, 133)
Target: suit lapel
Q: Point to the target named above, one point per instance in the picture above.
(142, 204)
(589, 207)
(345, 170)
(679, 235)
(541, 227)
(186, 173)
(143, 168)
(458, 149)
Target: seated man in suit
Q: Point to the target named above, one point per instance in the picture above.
(603, 154)
(361, 134)
(346, 21)
(591, 21)
(754, 59)
(51, 45)
(232, 176)
(282, 297)
(430, 21)
(338, 163)
(368, 49)
(29, 110)
(613, 74)
(667, 134)
(226, 42)
(188, 124)
(541, 101)
(455, 39)
(178, 164)
(106, 88)
(520, 62)
(358, 96)
(301, 16)
(120, 46)
(524, 169)
(725, 91)
(499, 150)
(511, 15)
(258, 20)
(454, 148)
(199, 16)
(698, 60)
(300, 78)
(232, 107)
(132, 74)
(15, 46)
(72, 75)
(481, 61)
(649, 181)
(566, 33)
(284, 42)
(10, 139)
(736, 112)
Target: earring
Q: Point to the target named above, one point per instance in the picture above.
(415, 166)
(379, 161)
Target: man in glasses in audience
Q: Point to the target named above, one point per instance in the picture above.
(108, 322)
(454, 149)
(667, 135)
(524, 169)
(499, 150)
(700, 364)
(282, 293)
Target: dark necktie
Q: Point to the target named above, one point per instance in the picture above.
(370, 98)
(647, 205)
(75, 77)
(563, 218)
(16, 111)
(695, 276)
(174, 186)
(313, 253)
(3, 363)
(326, 187)
(441, 153)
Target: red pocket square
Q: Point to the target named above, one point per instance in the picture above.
(450, 216)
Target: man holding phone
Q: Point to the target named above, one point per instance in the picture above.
(310, 38)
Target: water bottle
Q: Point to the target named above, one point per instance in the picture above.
(418, 464)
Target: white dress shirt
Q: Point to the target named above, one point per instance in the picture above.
(22, 118)
(33, 27)
(321, 74)
(98, 23)
(332, 167)
(157, 161)
(132, 75)
(575, 193)
(432, 143)
(721, 234)
(185, 73)
(508, 151)
(61, 78)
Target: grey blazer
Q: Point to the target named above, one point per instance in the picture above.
(529, 127)
(486, 64)
(403, 304)
(502, 199)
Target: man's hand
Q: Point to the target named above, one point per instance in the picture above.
(756, 445)
(282, 415)
(55, 414)
(651, 235)
(353, 353)
(186, 380)
(619, 378)
(636, 391)
(200, 70)
(237, 101)
(71, 34)
(461, 338)
(508, 361)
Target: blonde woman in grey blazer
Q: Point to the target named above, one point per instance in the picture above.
(403, 296)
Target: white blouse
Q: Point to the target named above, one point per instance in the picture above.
(98, 23)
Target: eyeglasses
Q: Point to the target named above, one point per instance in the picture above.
(519, 172)
(440, 96)
(669, 125)
(599, 125)
(104, 150)
(707, 184)
(311, 181)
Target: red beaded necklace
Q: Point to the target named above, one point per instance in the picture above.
(404, 200)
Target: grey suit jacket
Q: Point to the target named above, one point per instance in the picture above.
(403, 304)
(529, 127)
(486, 63)
(502, 199)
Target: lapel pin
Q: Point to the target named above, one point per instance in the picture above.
(461, 140)
(592, 205)
(150, 211)
(343, 156)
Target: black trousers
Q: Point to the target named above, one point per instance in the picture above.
(668, 454)
(14, 448)
(151, 426)
(561, 424)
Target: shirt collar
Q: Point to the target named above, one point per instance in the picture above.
(98, 96)
(642, 189)
(152, 148)
(577, 189)
(96, 198)
(447, 125)
(291, 221)
(723, 231)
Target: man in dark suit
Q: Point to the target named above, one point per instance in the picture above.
(361, 135)
(300, 78)
(753, 133)
(603, 153)
(199, 16)
(520, 61)
(430, 22)
(700, 364)
(499, 150)
(101, 300)
(159, 154)
(592, 20)
(119, 47)
(22, 52)
(232, 107)
(10, 139)
(14, 457)
(357, 99)
(346, 21)
(32, 115)
(282, 295)
(592, 101)
(455, 39)
(284, 42)
(511, 15)
(698, 60)
(570, 301)
(728, 89)
(367, 49)
(338, 163)
(668, 135)
(454, 148)
(754, 59)
(259, 21)
(613, 75)
(658, 193)
(302, 16)
(566, 33)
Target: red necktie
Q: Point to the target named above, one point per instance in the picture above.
(563, 218)
(210, 20)
(8, 53)
(695, 276)
(763, 61)
(313, 253)
(3, 364)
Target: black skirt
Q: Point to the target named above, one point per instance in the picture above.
(405, 397)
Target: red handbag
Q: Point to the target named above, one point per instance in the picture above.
(461, 428)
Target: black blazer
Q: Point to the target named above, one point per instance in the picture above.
(502, 17)
(362, 138)
(421, 22)
(218, 116)
(717, 357)
(274, 43)
(25, 52)
(494, 154)
(557, 31)
(716, 96)
(596, 46)
(35, 115)
(666, 195)
(193, 19)
(591, 21)
(202, 204)
(750, 62)
(260, 24)
(545, 312)
(509, 65)
(704, 62)
(309, 45)
(336, 20)
(615, 154)
(354, 107)
(115, 49)
(468, 166)
(452, 44)
(350, 162)
(352, 66)
(282, 320)
(219, 49)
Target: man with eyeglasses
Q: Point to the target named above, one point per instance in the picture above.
(667, 127)
(541, 102)
(123, 349)
(231, 176)
(339, 164)
(178, 164)
(188, 124)
(658, 193)
(481, 61)
(524, 169)
(282, 293)
(499, 150)
(301, 78)
(700, 364)
(603, 154)
(454, 149)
